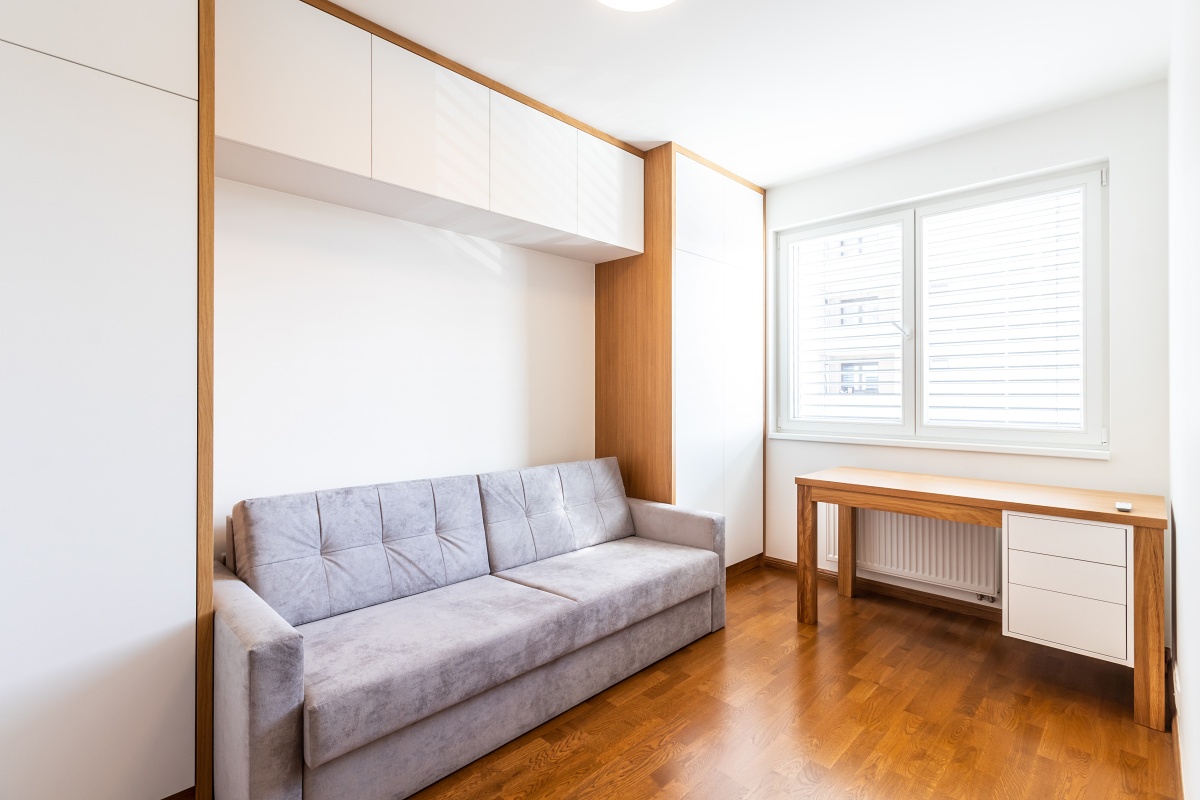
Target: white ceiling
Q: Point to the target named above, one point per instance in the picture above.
(779, 89)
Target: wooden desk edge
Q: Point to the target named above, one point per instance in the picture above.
(1113, 517)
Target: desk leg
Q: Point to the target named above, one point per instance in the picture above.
(847, 550)
(1149, 668)
(806, 556)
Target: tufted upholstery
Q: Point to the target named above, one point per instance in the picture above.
(317, 554)
(536, 513)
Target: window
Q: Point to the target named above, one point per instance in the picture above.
(970, 321)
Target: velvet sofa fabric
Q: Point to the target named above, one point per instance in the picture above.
(317, 554)
(379, 669)
(381, 637)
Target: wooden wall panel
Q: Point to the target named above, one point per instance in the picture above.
(204, 400)
(633, 346)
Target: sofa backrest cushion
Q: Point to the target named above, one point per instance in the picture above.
(535, 513)
(317, 554)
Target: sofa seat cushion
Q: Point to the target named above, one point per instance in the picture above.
(619, 583)
(378, 669)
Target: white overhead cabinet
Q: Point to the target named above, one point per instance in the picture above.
(429, 127)
(295, 81)
(718, 351)
(611, 193)
(311, 105)
(535, 165)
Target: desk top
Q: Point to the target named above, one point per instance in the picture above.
(1149, 511)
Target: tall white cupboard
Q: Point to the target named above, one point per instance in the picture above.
(98, 275)
(680, 348)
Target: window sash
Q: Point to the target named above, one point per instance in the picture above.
(915, 422)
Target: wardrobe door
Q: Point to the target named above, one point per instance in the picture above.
(429, 126)
(698, 352)
(699, 209)
(98, 425)
(148, 41)
(534, 165)
(294, 80)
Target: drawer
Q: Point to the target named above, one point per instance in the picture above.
(1067, 538)
(1064, 619)
(1069, 576)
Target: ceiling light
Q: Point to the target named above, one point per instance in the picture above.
(636, 5)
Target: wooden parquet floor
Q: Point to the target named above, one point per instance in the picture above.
(890, 700)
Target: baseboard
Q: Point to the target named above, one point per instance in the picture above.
(901, 592)
(753, 562)
(186, 794)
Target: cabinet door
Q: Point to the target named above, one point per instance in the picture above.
(148, 41)
(698, 392)
(296, 81)
(699, 209)
(611, 193)
(97, 431)
(429, 126)
(534, 165)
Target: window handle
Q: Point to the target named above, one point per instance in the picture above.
(906, 331)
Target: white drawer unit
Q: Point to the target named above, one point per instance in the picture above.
(1068, 584)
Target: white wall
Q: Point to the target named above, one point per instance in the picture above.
(353, 348)
(97, 433)
(1184, 281)
(1129, 129)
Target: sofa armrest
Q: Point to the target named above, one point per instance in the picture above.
(258, 695)
(675, 525)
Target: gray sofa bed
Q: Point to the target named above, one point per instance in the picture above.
(372, 640)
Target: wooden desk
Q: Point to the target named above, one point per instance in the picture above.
(984, 503)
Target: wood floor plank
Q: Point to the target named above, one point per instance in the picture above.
(882, 699)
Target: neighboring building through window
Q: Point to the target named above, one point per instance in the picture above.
(972, 319)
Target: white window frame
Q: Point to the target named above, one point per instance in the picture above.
(1090, 442)
(908, 293)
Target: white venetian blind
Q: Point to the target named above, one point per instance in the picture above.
(845, 307)
(1003, 332)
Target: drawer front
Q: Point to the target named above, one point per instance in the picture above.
(1069, 576)
(1079, 622)
(1067, 538)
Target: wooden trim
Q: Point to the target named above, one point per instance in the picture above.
(1149, 511)
(1149, 668)
(367, 25)
(634, 406)
(186, 794)
(205, 205)
(718, 168)
(753, 562)
(954, 512)
(770, 562)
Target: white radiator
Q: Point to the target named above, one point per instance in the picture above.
(951, 554)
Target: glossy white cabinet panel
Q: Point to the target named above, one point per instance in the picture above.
(744, 231)
(1069, 576)
(699, 208)
(1088, 541)
(429, 126)
(294, 80)
(698, 316)
(535, 165)
(1076, 623)
(611, 193)
(148, 41)
(97, 432)
(744, 343)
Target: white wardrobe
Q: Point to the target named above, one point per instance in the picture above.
(98, 296)
(681, 348)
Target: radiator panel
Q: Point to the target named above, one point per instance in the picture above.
(951, 554)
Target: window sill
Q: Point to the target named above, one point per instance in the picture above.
(936, 444)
